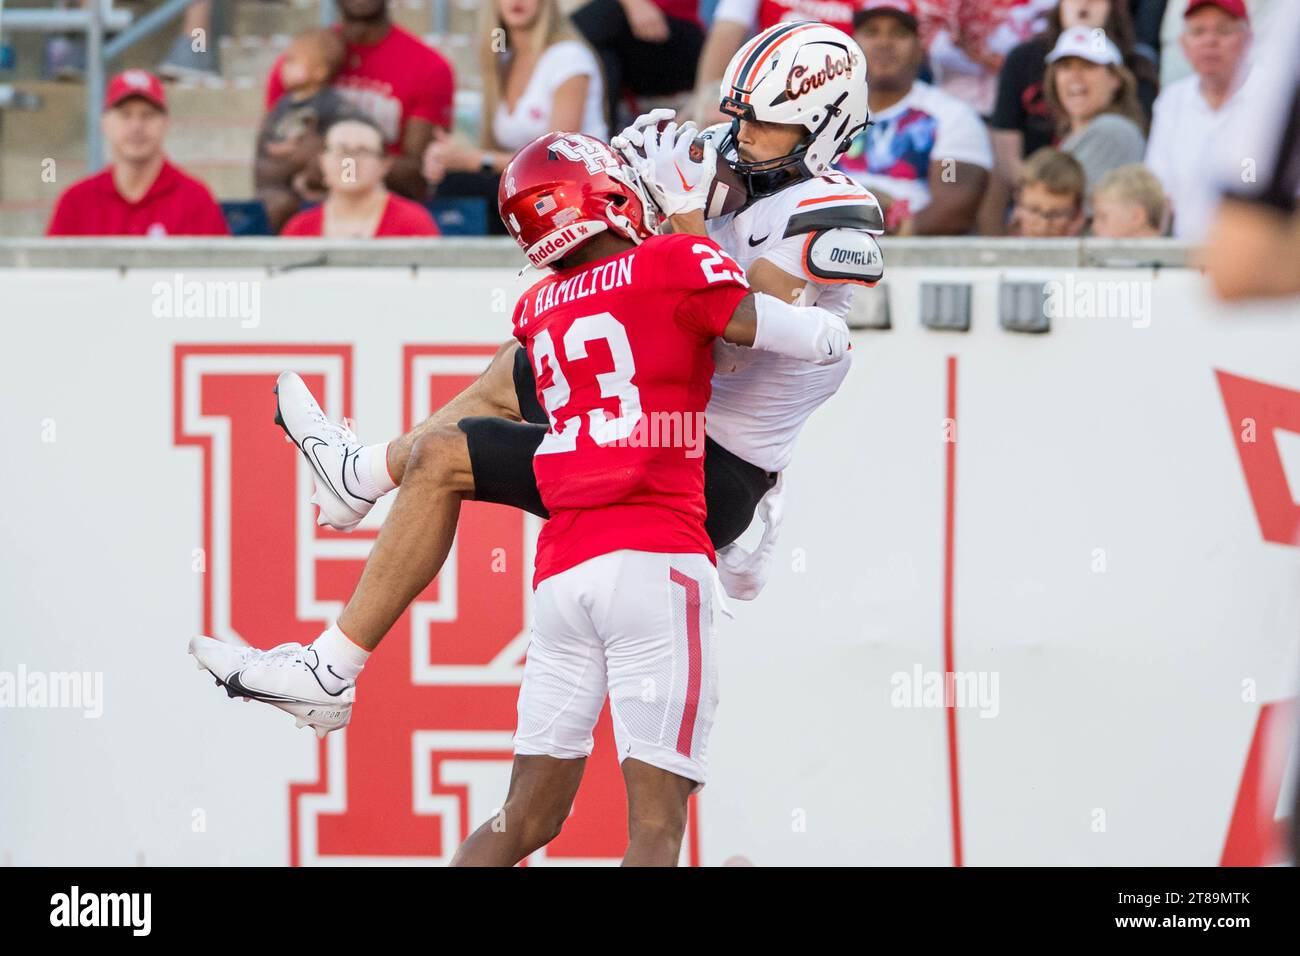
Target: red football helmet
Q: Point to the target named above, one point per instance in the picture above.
(563, 188)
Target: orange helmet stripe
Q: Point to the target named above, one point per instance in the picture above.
(752, 73)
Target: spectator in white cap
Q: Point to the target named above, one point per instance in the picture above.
(1093, 98)
(1192, 114)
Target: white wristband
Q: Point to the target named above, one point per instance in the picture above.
(808, 333)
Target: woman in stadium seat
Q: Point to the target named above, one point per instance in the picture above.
(538, 76)
(1093, 99)
(354, 163)
(1021, 123)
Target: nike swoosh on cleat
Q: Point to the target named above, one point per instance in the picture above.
(312, 667)
(355, 458)
(312, 459)
(234, 683)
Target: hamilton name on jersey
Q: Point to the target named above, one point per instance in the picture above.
(612, 275)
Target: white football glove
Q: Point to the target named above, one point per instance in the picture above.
(832, 340)
(634, 135)
(676, 183)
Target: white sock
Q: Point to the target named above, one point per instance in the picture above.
(372, 472)
(340, 654)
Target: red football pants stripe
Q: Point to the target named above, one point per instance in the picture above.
(686, 732)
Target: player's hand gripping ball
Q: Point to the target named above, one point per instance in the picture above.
(655, 146)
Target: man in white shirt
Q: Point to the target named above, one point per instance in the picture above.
(1255, 243)
(927, 155)
(1191, 115)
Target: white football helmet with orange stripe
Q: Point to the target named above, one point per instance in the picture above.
(800, 73)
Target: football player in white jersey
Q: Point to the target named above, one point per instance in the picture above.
(798, 95)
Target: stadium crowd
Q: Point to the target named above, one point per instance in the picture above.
(1033, 118)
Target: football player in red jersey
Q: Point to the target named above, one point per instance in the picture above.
(620, 339)
(806, 235)
(620, 342)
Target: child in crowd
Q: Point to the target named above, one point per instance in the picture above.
(1129, 203)
(1049, 196)
(287, 171)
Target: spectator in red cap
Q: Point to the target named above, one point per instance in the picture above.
(140, 193)
(353, 166)
(391, 76)
(1191, 114)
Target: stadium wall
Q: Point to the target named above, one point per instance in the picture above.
(1092, 528)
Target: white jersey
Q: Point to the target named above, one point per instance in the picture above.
(760, 399)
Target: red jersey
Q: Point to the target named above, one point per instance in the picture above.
(176, 204)
(622, 350)
(391, 81)
(688, 10)
(837, 13)
(402, 217)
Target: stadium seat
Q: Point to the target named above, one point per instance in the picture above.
(246, 217)
(462, 216)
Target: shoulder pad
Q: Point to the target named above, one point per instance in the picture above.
(843, 255)
(861, 214)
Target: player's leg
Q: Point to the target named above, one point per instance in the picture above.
(487, 458)
(491, 394)
(540, 798)
(439, 464)
(657, 807)
(732, 490)
(416, 535)
(350, 477)
(560, 698)
(657, 623)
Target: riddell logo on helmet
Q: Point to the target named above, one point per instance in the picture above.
(558, 242)
(800, 81)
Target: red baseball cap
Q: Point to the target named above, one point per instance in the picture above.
(905, 10)
(1233, 8)
(131, 83)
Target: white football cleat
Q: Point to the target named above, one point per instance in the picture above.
(289, 677)
(331, 450)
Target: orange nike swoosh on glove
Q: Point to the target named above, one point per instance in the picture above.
(682, 178)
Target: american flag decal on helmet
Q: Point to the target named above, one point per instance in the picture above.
(544, 205)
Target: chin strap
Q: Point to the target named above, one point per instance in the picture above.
(622, 223)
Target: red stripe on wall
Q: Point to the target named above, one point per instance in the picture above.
(949, 530)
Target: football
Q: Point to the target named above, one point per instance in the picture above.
(727, 193)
